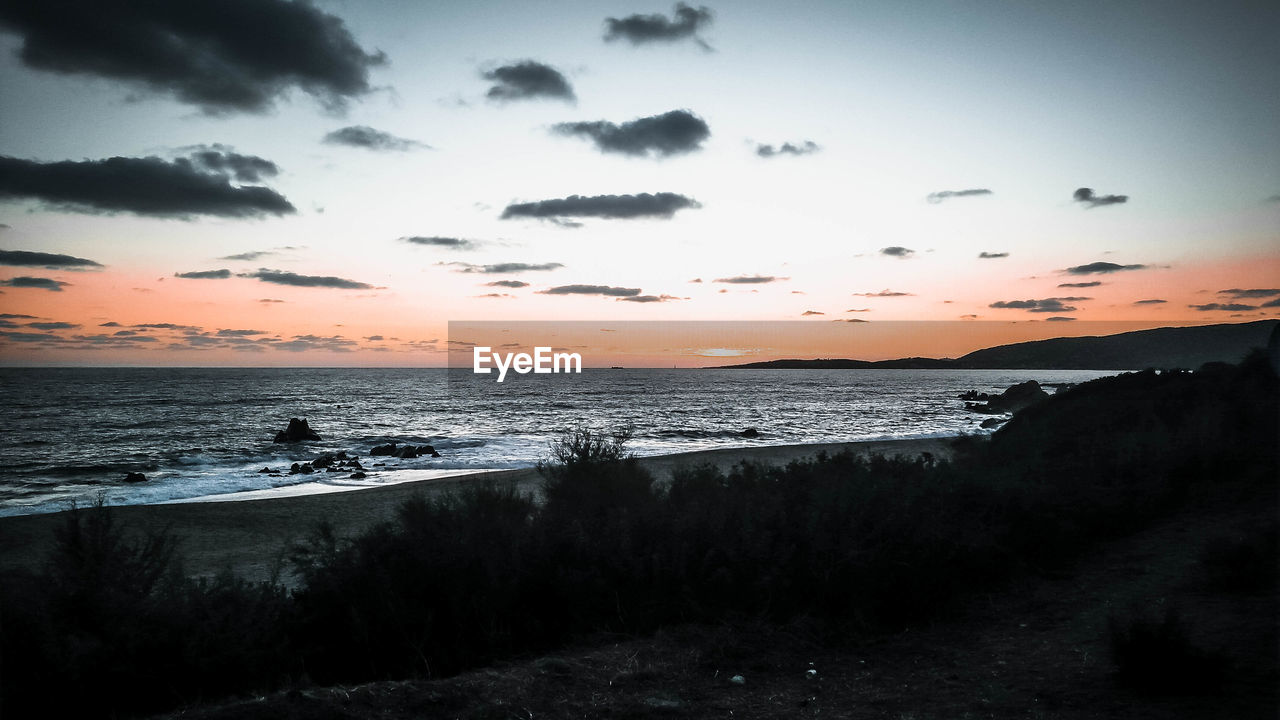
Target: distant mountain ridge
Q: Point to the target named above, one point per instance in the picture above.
(1168, 347)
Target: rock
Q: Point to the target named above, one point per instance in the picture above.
(294, 469)
(355, 465)
(135, 477)
(265, 470)
(383, 449)
(991, 423)
(306, 469)
(1012, 400)
(738, 680)
(357, 476)
(297, 431)
(1019, 396)
(428, 450)
(749, 433)
(323, 461)
(408, 452)
(974, 395)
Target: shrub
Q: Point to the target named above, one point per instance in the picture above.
(113, 617)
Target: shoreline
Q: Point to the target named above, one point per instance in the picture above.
(252, 536)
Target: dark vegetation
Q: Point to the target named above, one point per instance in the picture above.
(848, 545)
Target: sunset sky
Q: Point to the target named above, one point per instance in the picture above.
(262, 182)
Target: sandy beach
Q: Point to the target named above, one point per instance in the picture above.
(251, 537)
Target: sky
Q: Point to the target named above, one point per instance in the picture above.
(265, 182)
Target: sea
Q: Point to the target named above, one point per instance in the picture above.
(72, 434)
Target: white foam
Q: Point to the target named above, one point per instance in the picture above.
(322, 487)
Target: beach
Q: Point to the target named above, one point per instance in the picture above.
(252, 537)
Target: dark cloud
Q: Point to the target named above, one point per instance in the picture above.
(684, 23)
(992, 256)
(270, 300)
(363, 136)
(591, 290)
(168, 326)
(644, 205)
(444, 242)
(30, 337)
(1153, 301)
(504, 268)
(249, 256)
(1091, 283)
(225, 161)
(811, 312)
(303, 343)
(1047, 305)
(937, 197)
(648, 298)
(749, 279)
(850, 320)
(1254, 293)
(528, 80)
(1230, 307)
(35, 282)
(17, 316)
(1059, 318)
(696, 280)
(496, 295)
(884, 293)
(1271, 303)
(672, 133)
(240, 333)
(808, 147)
(1100, 268)
(508, 283)
(1087, 196)
(858, 310)
(111, 323)
(897, 251)
(204, 275)
(53, 325)
(219, 55)
(280, 277)
(147, 186)
(25, 258)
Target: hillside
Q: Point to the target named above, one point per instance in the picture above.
(1171, 347)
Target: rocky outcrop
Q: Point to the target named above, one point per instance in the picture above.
(297, 431)
(1012, 400)
(405, 451)
(134, 477)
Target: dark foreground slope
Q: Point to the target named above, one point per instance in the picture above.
(841, 552)
(1172, 347)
